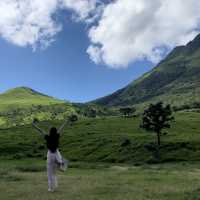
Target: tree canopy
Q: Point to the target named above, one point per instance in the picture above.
(156, 118)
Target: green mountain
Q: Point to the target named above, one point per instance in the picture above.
(20, 105)
(175, 80)
(23, 97)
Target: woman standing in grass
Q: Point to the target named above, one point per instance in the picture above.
(54, 158)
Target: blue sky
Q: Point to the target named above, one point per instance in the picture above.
(63, 70)
(98, 47)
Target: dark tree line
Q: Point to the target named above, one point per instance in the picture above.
(194, 105)
(127, 111)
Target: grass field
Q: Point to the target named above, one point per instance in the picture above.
(110, 160)
(26, 179)
(112, 139)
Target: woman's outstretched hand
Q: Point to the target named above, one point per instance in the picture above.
(71, 119)
(35, 120)
(62, 126)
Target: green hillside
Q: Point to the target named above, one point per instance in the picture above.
(108, 139)
(23, 96)
(20, 105)
(175, 80)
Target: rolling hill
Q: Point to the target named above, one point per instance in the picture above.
(175, 80)
(24, 97)
(20, 105)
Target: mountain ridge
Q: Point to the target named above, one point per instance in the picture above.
(179, 71)
(24, 89)
(175, 80)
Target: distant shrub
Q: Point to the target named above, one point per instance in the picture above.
(125, 142)
(18, 156)
(127, 111)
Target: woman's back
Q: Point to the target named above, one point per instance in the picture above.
(52, 140)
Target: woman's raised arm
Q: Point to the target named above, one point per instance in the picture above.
(62, 126)
(42, 132)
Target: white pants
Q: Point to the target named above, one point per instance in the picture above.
(53, 160)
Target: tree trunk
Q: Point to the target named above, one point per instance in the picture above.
(157, 153)
(158, 139)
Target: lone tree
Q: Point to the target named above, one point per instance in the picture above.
(92, 112)
(72, 118)
(127, 111)
(156, 118)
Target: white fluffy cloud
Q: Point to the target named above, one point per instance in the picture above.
(131, 30)
(33, 23)
(83, 9)
(26, 22)
(122, 31)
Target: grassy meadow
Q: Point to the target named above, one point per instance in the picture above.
(110, 158)
(22, 180)
(108, 139)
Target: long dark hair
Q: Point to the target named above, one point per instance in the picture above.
(53, 131)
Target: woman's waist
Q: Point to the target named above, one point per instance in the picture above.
(50, 151)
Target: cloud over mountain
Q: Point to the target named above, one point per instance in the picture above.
(131, 30)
